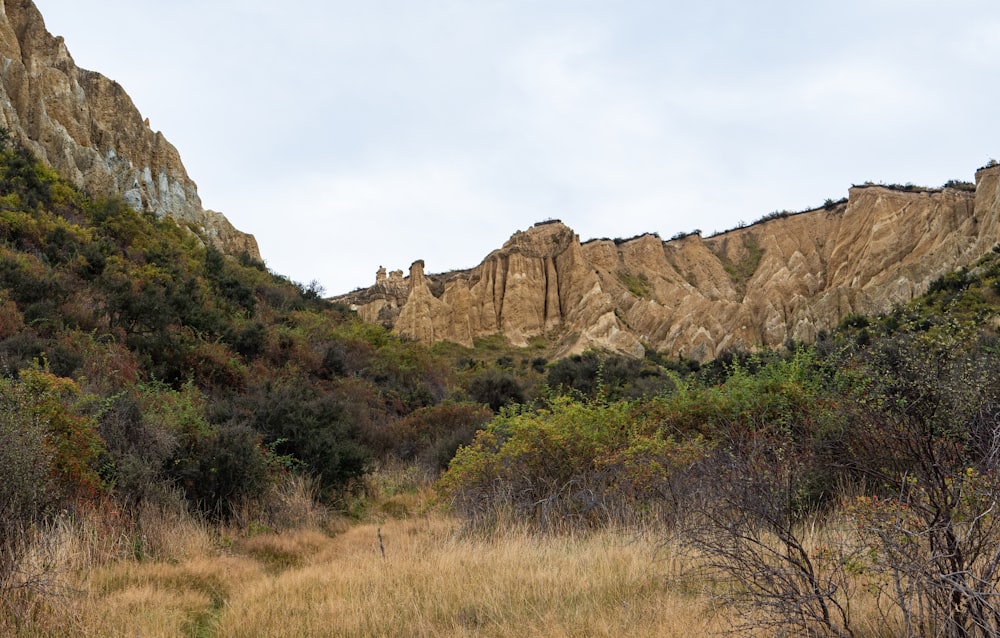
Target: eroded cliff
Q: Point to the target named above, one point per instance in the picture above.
(87, 128)
(783, 279)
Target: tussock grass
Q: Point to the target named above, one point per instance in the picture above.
(278, 552)
(330, 577)
(436, 581)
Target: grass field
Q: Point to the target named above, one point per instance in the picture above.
(404, 569)
(432, 581)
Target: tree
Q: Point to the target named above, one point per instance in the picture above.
(756, 494)
(926, 439)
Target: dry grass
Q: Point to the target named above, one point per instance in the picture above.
(178, 577)
(435, 582)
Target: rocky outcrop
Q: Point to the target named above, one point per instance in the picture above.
(787, 278)
(86, 127)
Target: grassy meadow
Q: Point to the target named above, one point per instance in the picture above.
(417, 572)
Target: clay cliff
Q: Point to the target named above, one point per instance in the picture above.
(86, 127)
(786, 278)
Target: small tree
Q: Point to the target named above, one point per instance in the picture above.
(759, 494)
(753, 528)
(926, 438)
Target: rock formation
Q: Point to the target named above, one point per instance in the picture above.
(786, 278)
(86, 127)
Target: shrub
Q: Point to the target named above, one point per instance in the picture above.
(27, 491)
(26, 462)
(924, 441)
(614, 377)
(637, 284)
(431, 435)
(47, 460)
(570, 465)
(317, 428)
(73, 437)
(495, 389)
(138, 449)
(221, 469)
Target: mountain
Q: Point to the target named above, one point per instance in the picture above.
(786, 277)
(86, 127)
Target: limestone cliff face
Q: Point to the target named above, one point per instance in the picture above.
(782, 279)
(87, 128)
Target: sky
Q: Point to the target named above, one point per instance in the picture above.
(351, 135)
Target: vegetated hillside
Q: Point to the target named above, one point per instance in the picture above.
(142, 367)
(785, 278)
(183, 367)
(86, 127)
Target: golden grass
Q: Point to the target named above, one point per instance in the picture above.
(160, 599)
(435, 582)
(180, 577)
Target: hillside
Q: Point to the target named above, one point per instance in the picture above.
(86, 127)
(786, 429)
(786, 278)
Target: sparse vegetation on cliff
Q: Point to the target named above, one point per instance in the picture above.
(637, 284)
(741, 270)
(684, 235)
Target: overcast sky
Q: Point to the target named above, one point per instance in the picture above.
(349, 135)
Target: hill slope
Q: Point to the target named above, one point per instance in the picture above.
(86, 127)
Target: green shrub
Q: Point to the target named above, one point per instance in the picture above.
(569, 465)
(317, 428)
(495, 389)
(431, 435)
(222, 469)
(637, 284)
(592, 374)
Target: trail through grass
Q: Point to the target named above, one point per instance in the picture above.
(433, 581)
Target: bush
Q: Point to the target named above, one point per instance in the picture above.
(221, 469)
(924, 439)
(47, 461)
(27, 493)
(138, 450)
(313, 427)
(614, 377)
(431, 435)
(26, 462)
(495, 389)
(570, 465)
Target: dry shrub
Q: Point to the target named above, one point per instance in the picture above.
(32, 580)
(38, 589)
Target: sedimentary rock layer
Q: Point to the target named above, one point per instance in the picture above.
(86, 127)
(782, 279)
